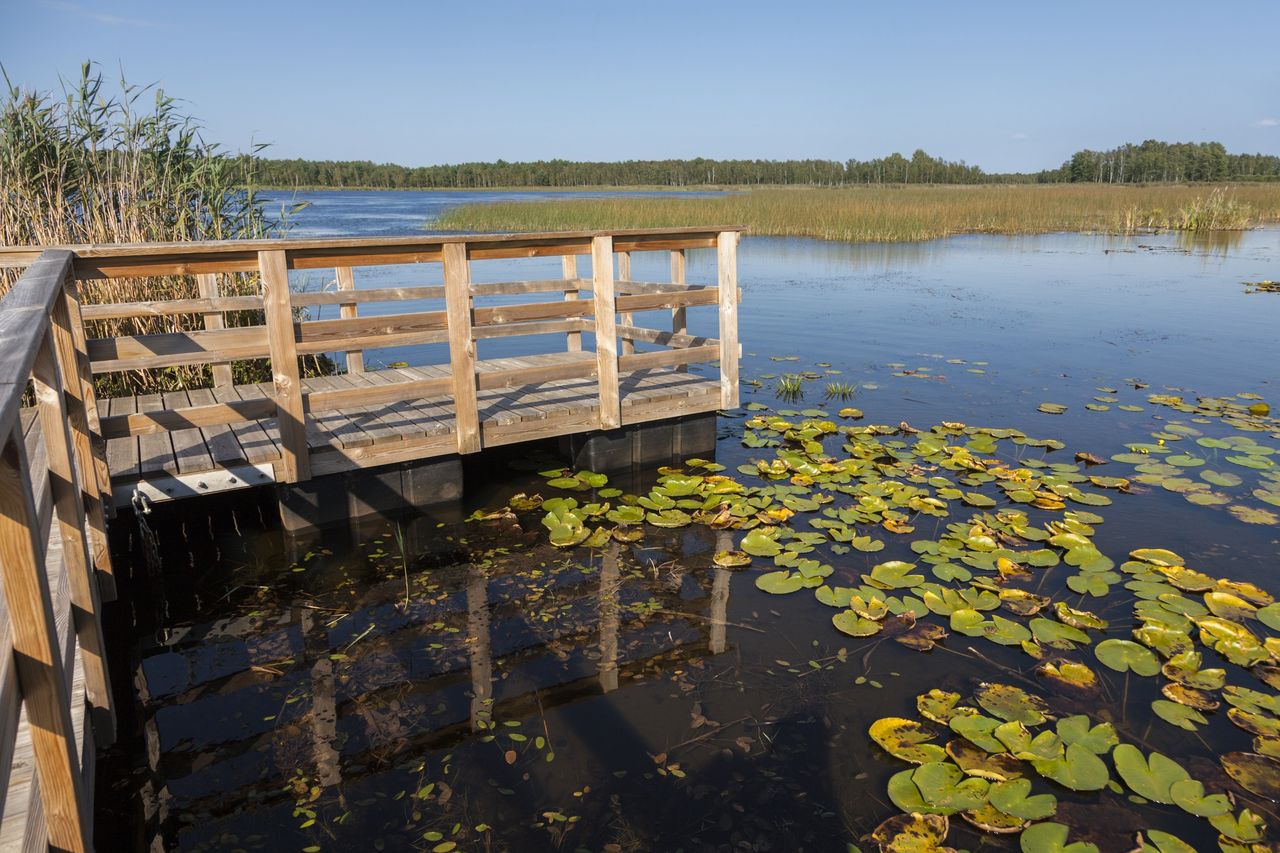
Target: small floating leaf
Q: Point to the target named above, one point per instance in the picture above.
(1126, 655)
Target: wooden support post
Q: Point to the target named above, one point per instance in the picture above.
(606, 331)
(41, 675)
(727, 277)
(569, 266)
(462, 346)
(68, 504)
(679, 319)
(86, 435)
(348, 311)
(208, 284)
(295, 456)
(628, 319)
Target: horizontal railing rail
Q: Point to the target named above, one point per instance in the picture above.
(277, 333)
(54, 564)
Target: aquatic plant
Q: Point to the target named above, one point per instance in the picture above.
(987, 755)
(93, 167)
(841, 390)
(878, 214)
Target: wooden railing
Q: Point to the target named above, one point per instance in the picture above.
(52, 556)
(54, 480)
(283, 336)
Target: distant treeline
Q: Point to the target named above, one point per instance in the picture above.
(1149, 162)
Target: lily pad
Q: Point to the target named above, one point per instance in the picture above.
(1126, 655)
(911, 833)
(1052, 838)
(1014, 797)
(1150, 777)
(906, 739)
(848, 622)
(1080, 769)
(731, 559)
(779, 583)
(941, 706)
(1011, 704)
(1258, 774)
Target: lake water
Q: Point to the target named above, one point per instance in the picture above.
(479, 687)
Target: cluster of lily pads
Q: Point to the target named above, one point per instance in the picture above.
(1181, 459)
(981, 577)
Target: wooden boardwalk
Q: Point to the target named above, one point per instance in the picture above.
(357, 437)
(67, 457)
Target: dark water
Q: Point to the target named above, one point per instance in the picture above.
(641, 698)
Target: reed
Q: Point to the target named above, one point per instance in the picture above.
(884, 214)
(119, 167)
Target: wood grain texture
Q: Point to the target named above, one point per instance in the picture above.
(291, 415)
(462, 346)
(606, 331)
(42, 674)
(347, 311)
(627, 319)
(68, 503)
(569, 268)
(679, 314)
(727, 275)
(208, 285)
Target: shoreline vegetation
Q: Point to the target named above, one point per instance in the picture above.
(893, 214)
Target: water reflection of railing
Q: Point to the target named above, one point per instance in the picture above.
(342, 715)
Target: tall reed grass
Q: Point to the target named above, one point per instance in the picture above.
(899, 214)
(125, 166)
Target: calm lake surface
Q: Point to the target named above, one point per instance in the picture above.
(467, 683)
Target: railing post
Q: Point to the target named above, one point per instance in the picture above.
(348, 311)
(37, 656)
(90, 455)
(727, 279)
(569, 267)
(606, 331)
(628, 319)
(295, 456)
(48, 381)
(679, 319)
(208, 284)
(462, 346)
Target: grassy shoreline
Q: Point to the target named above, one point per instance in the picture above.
(901, 214)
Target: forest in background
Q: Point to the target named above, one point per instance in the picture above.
(1148, 162)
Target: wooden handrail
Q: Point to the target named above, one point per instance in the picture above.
(52, 541)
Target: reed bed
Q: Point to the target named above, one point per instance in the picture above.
(881, 214)
(122, 167)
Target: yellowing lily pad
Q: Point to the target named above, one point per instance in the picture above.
(1011, 704)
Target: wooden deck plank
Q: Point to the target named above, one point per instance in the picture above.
(155, 451)
(190, 453)
(332, 427)
(224, 447)
(255, 445)
(122, 453)
(266, 448)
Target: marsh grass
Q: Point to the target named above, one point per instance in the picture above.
(900, 214)
(122, 167)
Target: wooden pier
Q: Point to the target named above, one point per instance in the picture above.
(68, 457)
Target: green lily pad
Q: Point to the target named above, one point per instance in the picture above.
(1052, 408)
(761, 542)
(978, 729)
(894, 574)
(1178, 715)
(1014, 797)
(848, 622)
(1126, 655)
(1077, 729)
(1189, 795)
(1151, 777)
(779, 583)
(1052, 838)
(1080, 769)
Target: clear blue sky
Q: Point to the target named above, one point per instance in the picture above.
(1008, 86)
